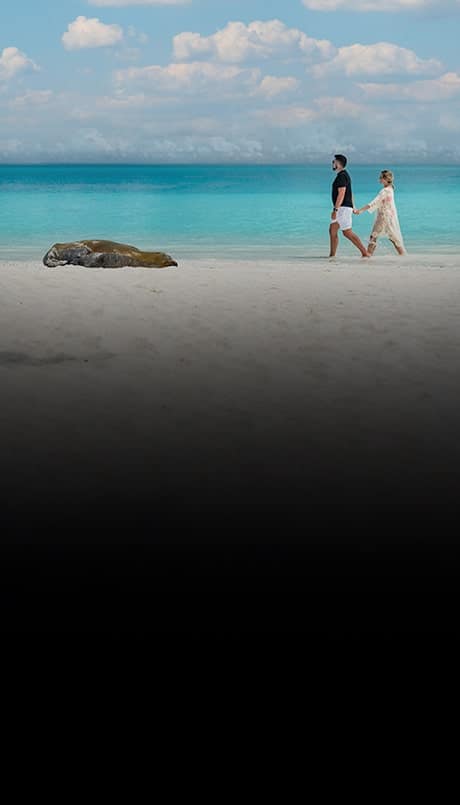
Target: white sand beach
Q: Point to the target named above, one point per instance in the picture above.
(348, 368)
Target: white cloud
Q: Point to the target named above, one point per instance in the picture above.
(271, 85)
(246, 93)
(286, 117)
(337, 107)
(434, 90)
(13, 61)
(294, 134)
(93, 143)
(116, 105)
(90, 33)
(377, 5)
(177, 81)
(238, 42)
(382, 58)
(190, 78)
(37, 97)
(326, 108)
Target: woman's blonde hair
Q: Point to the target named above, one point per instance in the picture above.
(388, 176)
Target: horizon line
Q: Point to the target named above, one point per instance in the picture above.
(216, 164)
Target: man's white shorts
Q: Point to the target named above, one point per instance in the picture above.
(344, 218)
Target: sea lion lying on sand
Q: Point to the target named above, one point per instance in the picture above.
(104, 254)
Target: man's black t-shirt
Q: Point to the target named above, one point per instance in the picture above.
(342, 180)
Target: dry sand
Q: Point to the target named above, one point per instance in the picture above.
(193, 449)
(333, 380)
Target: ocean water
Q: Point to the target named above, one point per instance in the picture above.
(246, 211)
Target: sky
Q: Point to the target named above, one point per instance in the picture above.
(222, 81)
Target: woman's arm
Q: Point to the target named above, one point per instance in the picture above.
(372, 206)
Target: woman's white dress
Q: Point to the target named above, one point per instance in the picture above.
(386, 222)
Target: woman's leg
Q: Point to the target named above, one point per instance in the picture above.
(398, 248)
(372, 244)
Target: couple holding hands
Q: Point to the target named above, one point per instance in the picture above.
(386, 222)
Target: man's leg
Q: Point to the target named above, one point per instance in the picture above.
(356, 242)
(334, 238)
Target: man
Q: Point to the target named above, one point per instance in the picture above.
(342, 214)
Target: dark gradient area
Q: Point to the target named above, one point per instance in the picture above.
(188, 503)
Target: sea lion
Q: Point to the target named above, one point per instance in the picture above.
(104, 254)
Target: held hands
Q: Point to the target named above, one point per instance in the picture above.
(356, 212)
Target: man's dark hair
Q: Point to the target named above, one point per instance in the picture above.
(340, 158)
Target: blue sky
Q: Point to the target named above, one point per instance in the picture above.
(229, 81)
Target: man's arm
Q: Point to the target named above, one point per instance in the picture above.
(338, 203)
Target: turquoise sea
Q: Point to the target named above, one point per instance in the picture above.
(215, 210)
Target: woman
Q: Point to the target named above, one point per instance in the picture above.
(386, 222)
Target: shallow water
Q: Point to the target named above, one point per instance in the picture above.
(244, 211)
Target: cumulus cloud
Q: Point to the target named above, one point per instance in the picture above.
(308, 133)
(190, 78)
(325, 108)
(382, 58)
(13, 61)
(238, 42)
(271, 85)
(439, 89)
(87, 32)
(247, 92)
(337, 107)
(377, 5)
(208, 80)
